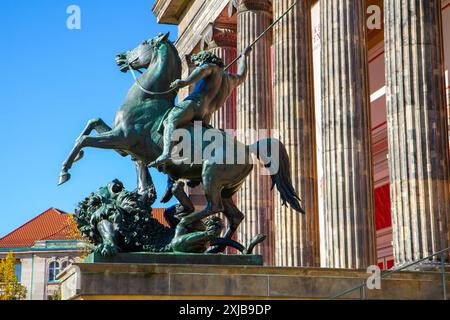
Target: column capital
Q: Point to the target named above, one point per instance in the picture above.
(252, 5)
(219, 35)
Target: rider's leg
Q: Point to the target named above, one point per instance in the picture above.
(178, 117)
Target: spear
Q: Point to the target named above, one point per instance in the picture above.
(264, 33)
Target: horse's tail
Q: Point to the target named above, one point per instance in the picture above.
(273, 154)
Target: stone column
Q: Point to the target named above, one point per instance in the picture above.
(221, 39)
(254, 112)
(348, 178)
(417, 128)
(297, 236)
(447, 85)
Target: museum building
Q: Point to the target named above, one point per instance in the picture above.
(357, 91)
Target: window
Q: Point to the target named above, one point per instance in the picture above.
(18, 270)
(53, 270)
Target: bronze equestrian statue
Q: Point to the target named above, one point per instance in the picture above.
(136, 132)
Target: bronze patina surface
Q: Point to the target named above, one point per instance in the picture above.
(117, 220)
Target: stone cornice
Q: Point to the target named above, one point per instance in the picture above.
(192, 35)
(169, 11)
(252, 5)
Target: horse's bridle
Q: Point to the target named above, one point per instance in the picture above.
(136, 80)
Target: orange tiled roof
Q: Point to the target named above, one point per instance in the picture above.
(52, 224)
(158, 214)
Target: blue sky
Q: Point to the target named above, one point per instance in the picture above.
(53, 81)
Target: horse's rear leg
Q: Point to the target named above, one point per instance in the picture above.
(214, 204)
(234, 217)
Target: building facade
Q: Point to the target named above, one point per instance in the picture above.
(43, 247)
(358, 93)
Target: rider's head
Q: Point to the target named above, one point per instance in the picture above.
(206, 57)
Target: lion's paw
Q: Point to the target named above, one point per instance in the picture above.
(107, 249)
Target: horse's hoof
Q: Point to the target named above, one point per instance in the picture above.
(160, 162)
(63, 178)
(79, 156)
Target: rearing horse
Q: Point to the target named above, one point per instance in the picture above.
(137, 121)
(136, 133)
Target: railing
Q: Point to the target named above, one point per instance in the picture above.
(362, 286)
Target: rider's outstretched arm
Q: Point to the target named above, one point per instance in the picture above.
(198, 74)
(242, 72)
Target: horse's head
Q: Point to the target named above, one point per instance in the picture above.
(143, 55)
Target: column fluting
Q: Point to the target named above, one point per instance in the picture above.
(297, 236)
(417, 128)
(346, 126)
(254, 112)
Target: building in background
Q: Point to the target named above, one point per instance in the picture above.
(361, 105)
(45, 246)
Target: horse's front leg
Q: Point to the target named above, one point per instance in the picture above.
(114, 139)
(100, 126)
(145, 186)
(96, 124)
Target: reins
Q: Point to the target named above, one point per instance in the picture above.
(145, 90)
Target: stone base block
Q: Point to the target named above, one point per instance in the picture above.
(177, 258)
(92, 281)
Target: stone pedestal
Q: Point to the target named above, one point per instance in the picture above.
(417, 129)
(348, 177)
(177, 258)
(106, 281)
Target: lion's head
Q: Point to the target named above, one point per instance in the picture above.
(129, 213)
